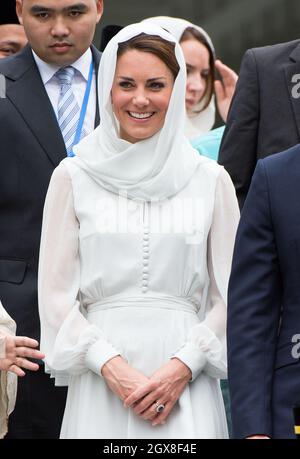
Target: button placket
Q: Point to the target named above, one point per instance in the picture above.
(146, 250)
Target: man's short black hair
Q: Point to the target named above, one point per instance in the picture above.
(8, 13)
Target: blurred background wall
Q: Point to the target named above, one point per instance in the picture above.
(234, 25)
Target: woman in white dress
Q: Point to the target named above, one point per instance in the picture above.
(133, 224)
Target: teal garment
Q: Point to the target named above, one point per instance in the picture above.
(209, 144)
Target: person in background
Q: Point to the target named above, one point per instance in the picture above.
(265, 114)
(51, 102)
(12, 34)
(14, 354)
(203, 91)
(108, 32)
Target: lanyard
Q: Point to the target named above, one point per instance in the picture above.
(83, 108)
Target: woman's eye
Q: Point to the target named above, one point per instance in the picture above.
(157, 85)
(125, 84)
(205, 75)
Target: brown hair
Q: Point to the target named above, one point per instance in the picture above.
(163, 49)
(191, 33)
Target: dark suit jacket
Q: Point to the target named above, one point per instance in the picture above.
(264, 117)
(31, 147)
(264, 302)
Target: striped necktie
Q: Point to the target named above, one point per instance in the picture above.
(68, 109)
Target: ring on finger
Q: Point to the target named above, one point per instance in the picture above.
(159, 407)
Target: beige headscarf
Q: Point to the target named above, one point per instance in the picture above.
(8, 381)
(198, 123)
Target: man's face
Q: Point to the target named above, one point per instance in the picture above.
(12, 39)
(59, 31)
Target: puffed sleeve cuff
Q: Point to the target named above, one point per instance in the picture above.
(193, 357)
(98, 354)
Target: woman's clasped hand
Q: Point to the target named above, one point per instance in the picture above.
(152, 398)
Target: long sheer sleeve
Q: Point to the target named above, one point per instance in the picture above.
(71, 344)
(8, 381)
(205, 349)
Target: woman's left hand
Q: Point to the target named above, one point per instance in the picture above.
(225, 89)
(172, 378)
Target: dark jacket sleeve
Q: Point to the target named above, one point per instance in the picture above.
(239, 144)
(254, 300)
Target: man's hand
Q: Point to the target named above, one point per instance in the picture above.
(258, 437)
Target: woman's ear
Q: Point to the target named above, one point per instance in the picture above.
(111, 98)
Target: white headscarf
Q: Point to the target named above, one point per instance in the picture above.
(152, 169)
(197, 123)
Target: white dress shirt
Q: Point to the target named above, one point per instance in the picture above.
(52, 85)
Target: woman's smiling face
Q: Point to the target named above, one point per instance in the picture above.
(141, 93)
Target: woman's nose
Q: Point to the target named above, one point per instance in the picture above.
(140, 99)
(196, 83)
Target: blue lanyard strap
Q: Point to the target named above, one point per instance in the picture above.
(84, 107)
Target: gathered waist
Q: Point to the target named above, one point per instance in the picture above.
(150, 301)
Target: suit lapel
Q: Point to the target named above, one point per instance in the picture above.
(292, 74)
(28, 95)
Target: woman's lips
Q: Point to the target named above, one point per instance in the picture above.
(190, 102)
(136, 116)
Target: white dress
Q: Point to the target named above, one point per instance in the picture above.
(120, 277)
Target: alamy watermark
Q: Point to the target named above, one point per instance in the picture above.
(296, 88)
(296, 347)
(184, 216)
(2, 87)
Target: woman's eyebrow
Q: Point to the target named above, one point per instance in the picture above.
(157, 78)
(149, 79)
(125, 78)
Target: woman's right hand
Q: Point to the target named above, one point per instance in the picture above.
(122, 379)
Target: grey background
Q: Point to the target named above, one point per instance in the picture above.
(234, 25)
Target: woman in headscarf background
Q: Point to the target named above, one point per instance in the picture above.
(14, 354)
(133, 225)
(203, 92)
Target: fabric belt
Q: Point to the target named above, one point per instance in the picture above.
(153, 301)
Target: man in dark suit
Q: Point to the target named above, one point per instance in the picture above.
(264, 302)
(265, 113)
(60, 34)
